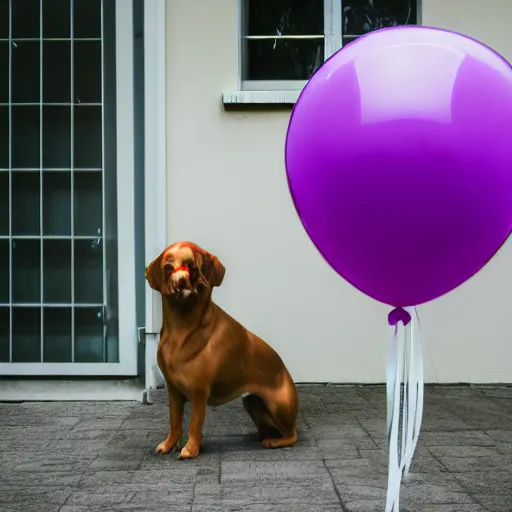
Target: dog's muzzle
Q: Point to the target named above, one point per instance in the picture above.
(181, 277)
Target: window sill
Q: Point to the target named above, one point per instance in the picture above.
(277, 98)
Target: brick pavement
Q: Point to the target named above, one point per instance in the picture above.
(98, 456)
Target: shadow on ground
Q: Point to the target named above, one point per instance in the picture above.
(98, 456)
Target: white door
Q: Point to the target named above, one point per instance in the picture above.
(67, 272)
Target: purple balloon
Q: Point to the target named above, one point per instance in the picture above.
(399, 161)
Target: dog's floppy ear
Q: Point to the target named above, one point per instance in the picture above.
(214, 270)
(154, 273)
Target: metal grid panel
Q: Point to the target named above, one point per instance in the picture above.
(38, 315)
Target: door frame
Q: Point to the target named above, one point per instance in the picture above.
(155, 160)
(127, 331)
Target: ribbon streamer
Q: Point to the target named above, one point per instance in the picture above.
(404, 389)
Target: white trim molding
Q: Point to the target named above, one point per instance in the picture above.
(127, 367)
(125, 194)
(260, 97)
(21, 390)
(154, 167)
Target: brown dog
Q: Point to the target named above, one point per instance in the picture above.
(208, 358)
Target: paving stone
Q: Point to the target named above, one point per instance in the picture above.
(239, 493)
(495, 483)
(312, 506)
(100, 478)
(25, 432)
(358, 479)
(461, 438)
(434, 488)
(244, 448)
(505, 448)
(126, 507)
(364, 506)
(128, 495)
(342, 395)
(19, 442)
(141, 423)
(462, 451)
(257, 471)
(31, 507)
(498, 392)
(472, 458)
(39, 478)
(331, 418)
(248, 448)
(447, 422)
(34, 494)
(118, 459)
(79, 434)
(332, 449)
(314, 407)
(98, 424)
(44, 461)
(323, 452)
(82, 446)
(137, 438)
(496, 503)
(413, 507)
(423, 461)
(49, 433)
(377, 506)
(151, 460)
(97, 409)
(416, 491)
(437, 421)
(103, 481)
(458, 391)
(232, 429)
(151, 413)
(482, 411)
(501, 436)
(179, 474)
(38, 420)
(353, 435)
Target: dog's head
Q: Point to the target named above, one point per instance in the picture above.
(183, 271)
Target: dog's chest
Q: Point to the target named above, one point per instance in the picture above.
(180, 364)
(170, 355)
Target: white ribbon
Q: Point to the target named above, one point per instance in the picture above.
(404, 389)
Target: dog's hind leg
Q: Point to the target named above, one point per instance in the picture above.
(261, 416)
(282, 406)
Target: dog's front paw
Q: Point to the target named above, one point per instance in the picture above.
(190, 451)
(166, 446)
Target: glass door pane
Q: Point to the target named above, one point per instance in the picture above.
(58, 182)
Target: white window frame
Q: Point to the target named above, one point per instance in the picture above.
(287, 91)
(332, 43)
(127, 329)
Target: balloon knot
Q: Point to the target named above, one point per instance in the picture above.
(399, 315)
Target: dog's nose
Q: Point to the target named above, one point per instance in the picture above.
(182, 283)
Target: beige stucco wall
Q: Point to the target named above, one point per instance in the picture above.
(227, 191)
